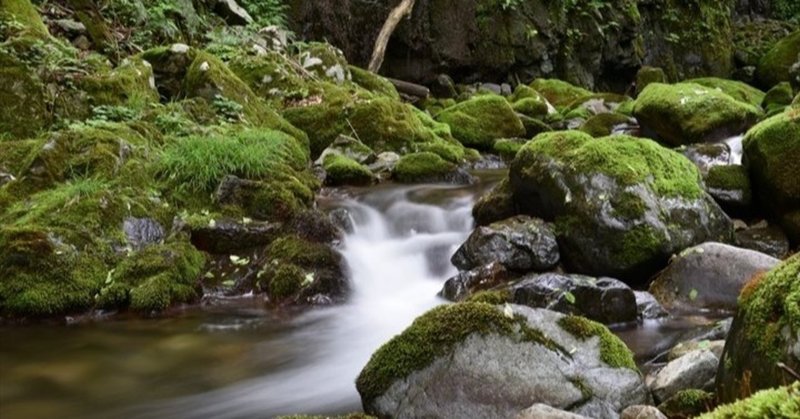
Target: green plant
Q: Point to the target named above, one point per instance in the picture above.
(267, 12)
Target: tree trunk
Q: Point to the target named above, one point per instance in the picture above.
(398, 13)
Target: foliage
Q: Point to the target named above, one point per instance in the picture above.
(267, 12)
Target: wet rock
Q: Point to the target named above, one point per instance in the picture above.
(730, 186)
(622, 205)
(770, 240)
(688, 403)
(543, 411)
(519, 244)
(642, 412)
(496, 205)
(350, 148)
(341, 218)
(232, 12)
(683, 348)
(314, 226)
(707, 155)
(764, 339)
(140, 232)
(716, 331)
(467, 283)
(427, 167)
(693, 370)
(441, 372)
(648, 307)
(444, 87)
(604, 300)
(384, 164)
(710, 275)
(230, 236)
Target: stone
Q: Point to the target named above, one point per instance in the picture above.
(707, 155)
(141, 232)
(683, 348)
(648, 307)
(730, 187)
(642, 412)
(227, 236)
(232, 12)
(708, 276)
(467, 283)
(543, 411)
(770, 240)
(519, 244)
(693, 370)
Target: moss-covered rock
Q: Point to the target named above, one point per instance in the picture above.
(686, 113)
(730, 186)
(603, 124)
(131, 83)
(302, 271)
(764, 334)
(778, 98)
(774, 66)
(612, 350)
(481, 120)
(558, 93)
(422, 167)
(496, 205)
(325, 61)
(23, 94)
(507, 148)
(270, 76)
(735, 89)
(622, 205)
(342, 170)
(154, 278)
(781, 402)
(373, 82)
(772, 156)
(687, 404)
(20, 18)
(648, 75)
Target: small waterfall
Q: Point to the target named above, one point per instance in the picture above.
(735, 145)
(398, 255)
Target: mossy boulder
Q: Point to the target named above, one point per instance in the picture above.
(778, 98)
(740, 91)
(781, 402)
(764, 334)
(549, 358)
(622, 205)
(775, 64)
(20, 18)
(325, 61)
(558, 93)
(772, 157)
(507, 148)
(686, 113)
(342, 170)
(605, 124)
(481, 120)
(155, 278)
(23, 93)
(730, 186)
(373, 82)
(130, 83)
(302, 271)
(270, 76)
(424, 167)
(648, 75)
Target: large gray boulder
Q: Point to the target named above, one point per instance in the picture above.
(693, 370)
(478, 360)
(709, 276)
(519, 243)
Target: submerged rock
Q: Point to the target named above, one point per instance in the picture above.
(708, 276)
(437, 367)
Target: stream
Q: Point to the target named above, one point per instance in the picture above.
(233, 358)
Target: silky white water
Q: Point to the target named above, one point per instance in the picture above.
(398, 257)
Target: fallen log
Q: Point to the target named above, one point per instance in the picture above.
(410, 89)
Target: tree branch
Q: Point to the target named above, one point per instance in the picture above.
(397, 14)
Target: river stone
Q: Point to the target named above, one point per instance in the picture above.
(349, 147)
(466, 283)
(476, 361)
(140, 232)
(710, 275)
(642, 412)
(621, 205)
(605, 300)
(707, 155)
(226, 236)
(648, 307)
(519, 243)
(684, 348)
(770, 240)
(693, 370)
(543, 411)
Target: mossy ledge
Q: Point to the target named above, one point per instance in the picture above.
(612, 351)
(781, 402)
(434, 334)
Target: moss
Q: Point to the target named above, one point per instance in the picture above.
(386, 124)
(373, 82)
(559, 93)
(628, 205)
(628, 160)
(603, 124)
(433, 335)
(781, 402)
(687, 403)
(128, 84)
(341, 170)
(648, 75)
(507, 148)
(493, 297)
(305, 254)
(729, 178)
(417, 167)
(774, 66)
(325, 61)
(688, 113)
(532, 107)
(286, 281)
(612, 351)
(24, 16)
(271, 76)
(481, 120)
(777, 98)
(735, 89)
(25, 110)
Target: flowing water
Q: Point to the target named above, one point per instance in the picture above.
(232, 358)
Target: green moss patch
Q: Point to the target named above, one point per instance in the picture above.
(481, 120)
(775, 64)
(687, 403)
(559, 93)
(417, 167)
(781, 402)
(612, 350)
(342, 170)
(735, 89)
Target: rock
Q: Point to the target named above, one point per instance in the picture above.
(730, 186)
(232, 12)
(604, 300)
(622, 205)
(481, 120)
(349, 147)
(384, 164)
(519, 244)
(642, 412)
(341, 170)
(648, 75)
(648, 307)
(708, 155)
(314, 226)
(688, 403)
(762, 404)
(775, 64)
(605, 124)
(686, 113)
(715, 331)
(70, 27)
(735, 89)
(693, 370)
(467, 283)
(495, 206)
(559, 93)
(764, 334)
(708, 276)
(444, 87)
(543, 411)
(427, 167)
(769, 240)
(778, 98)
(141, 232)
(683, 348)
(772, 157)
(341, 218)
(268, 201)
(437, 368)
(227, 236)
